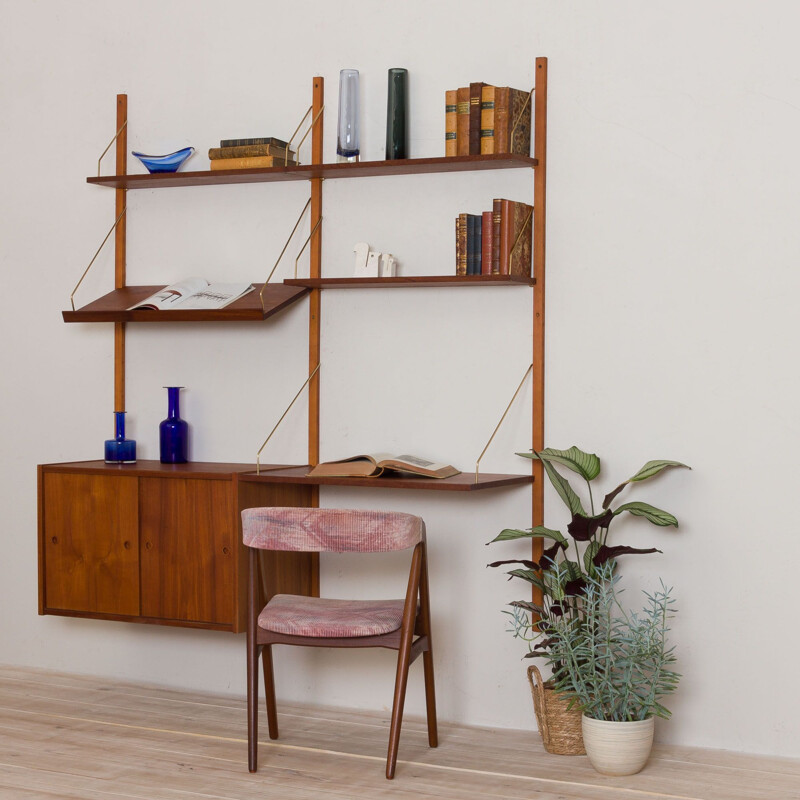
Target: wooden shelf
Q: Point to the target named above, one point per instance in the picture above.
(112, 307)
(412, 280)
(465, 482)
(362, 169)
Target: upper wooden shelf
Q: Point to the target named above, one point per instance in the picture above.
(112, 306)
(362, 169)
(464, 482)
(411, 280)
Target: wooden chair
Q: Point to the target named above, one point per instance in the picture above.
(402, 625)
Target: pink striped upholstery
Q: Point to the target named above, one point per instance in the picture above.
(315, 616)
(335, 530)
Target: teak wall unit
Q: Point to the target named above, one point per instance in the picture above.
(132, 542)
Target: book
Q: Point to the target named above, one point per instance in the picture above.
(450, 114)
(475, 118)
(516, 236)
(462, 121)
(253, 162)
(257, 140)
(193, 293)
(473, 244)
(496, 211)
(512, 113)
(461, 244)
(487, 237)
(487, 120)
(250, 150)
(373, 465)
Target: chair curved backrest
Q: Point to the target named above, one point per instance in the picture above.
(334, 530)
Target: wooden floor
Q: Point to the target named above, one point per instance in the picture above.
(63, 736)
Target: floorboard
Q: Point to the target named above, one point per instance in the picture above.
(64, 737)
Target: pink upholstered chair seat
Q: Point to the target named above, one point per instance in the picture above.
(324, 617)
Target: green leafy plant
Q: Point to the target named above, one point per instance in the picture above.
(615, 664)
(567, 567)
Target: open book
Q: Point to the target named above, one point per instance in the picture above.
(193, 293)
(370, 466)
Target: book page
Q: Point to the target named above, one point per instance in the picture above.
(171, 296)
(413, 462)
(216, 295)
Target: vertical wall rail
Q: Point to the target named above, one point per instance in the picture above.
(120, 251)
(315, 303)
(539, 216)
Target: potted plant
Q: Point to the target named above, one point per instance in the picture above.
(616, 666)
(563, 572)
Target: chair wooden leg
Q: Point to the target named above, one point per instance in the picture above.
(269, 691)
(430, 698)
(401, 681)
(252, 706)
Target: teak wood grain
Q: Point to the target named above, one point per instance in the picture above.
(90, 543)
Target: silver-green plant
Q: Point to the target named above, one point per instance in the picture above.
(615, 664)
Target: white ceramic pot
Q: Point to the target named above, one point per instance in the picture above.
(618, 748)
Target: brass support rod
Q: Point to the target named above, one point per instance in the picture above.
(119, 131)
(477, 463)
(288, 408)
(72, 296)
(305, 244)
(305, 135)
(305, 208)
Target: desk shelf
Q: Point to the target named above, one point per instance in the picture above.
(464, 482)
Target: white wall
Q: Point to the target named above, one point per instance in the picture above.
(671, 319)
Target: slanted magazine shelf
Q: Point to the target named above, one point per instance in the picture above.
(102, 527)
(113, 307)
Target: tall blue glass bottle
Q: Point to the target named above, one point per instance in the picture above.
(173, 432)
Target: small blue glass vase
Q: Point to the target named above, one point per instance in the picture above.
(173, 432)
(171, 162)
(120, 450)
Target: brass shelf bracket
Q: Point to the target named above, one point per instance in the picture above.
(497, 428)
(113, 227)
(305, 135)
(288, 408)
(116, 136)
(286, 246)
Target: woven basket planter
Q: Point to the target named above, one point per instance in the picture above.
(559, 725)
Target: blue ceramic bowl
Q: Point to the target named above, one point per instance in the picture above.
(168, 163)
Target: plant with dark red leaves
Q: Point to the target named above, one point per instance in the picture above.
(579, 556)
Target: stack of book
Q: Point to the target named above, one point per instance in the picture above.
(251, 154)
(496, 242)
(482, 119)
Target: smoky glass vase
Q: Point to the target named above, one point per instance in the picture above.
(347, 148)
(397, 114)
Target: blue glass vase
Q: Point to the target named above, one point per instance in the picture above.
(120, 450)
(173, 432)
(347, 148)
(171, 162)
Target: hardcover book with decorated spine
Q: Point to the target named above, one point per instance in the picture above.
(254, 162)
(462, 121)
(250, 151)
(487, 120)
(475, 118)
(450, 127)
(516, 238)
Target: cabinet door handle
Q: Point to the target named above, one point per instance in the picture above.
(126, 545)
(54, 540)
(226, 551)
(148, 545)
